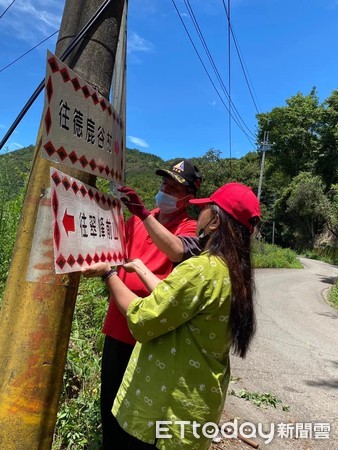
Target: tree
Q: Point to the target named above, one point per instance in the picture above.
(294, 130)
(302, 210)
(332, 212)
(327, 163)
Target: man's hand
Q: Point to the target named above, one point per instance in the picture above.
(134, 202)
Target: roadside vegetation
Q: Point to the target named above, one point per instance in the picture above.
(333, 296)
(78, 422)
(273, 257)
(260, 399)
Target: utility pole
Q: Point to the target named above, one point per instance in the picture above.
(37, 310)
(265, 146)
(273, 221)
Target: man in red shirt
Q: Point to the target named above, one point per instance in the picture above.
(179, 185)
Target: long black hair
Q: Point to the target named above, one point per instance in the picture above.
(231, 242)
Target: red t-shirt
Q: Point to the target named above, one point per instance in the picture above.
(140, 245)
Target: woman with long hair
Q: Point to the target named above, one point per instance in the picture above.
(178, 374)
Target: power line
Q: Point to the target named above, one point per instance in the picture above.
(208, 75)
(26, 53)
(229, 86)
(7, 9)
(85, 29)
(212, 62)
(239, 55)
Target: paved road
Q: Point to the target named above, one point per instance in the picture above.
(294, 355)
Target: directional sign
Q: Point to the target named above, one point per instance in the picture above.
(88, 225)
(81, 128)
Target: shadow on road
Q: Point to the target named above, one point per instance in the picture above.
(330, 384)
(328, 280)
(333, 315)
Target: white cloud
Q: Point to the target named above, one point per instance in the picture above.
(31, 20)
(138, 141)
(137, 43)
(11, 146)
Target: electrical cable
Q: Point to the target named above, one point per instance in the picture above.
(229, 87)
(64, 55)
(26, 53)
(208, 75)
(239, 56)
(7, 9)
(212, 62)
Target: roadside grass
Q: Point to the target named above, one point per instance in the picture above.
(333, 296)
(330, 256)
(260, 399)
(78, 425)
(273, 257)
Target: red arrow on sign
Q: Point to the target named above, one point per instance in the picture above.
(68, 222)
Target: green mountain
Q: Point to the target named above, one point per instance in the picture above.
(140, 171)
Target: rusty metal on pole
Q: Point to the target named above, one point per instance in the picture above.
(38, 305)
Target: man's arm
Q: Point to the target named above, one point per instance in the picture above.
(166, 241)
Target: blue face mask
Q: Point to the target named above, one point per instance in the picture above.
(167, 203)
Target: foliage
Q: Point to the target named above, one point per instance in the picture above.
(294, 131)
(303, 207)
(80, 402)
(215, 172)
(304, 140)
(274, 257)
(10, 211)
(327, 254)
(332, 210)
(260, 399)
(333, 295)
(14, 167)
(327, 163)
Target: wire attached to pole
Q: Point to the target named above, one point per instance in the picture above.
(64, 55)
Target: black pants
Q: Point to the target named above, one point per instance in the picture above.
(115, 358)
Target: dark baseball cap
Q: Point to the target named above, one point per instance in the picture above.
(184, 172)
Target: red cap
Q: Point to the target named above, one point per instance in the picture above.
(236, 199)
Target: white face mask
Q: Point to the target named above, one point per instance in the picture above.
(167, 203)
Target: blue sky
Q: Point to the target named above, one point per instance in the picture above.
(173, 110)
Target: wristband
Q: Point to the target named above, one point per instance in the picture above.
(109, 273)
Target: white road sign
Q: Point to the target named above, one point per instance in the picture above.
(88, 225)
(81, 128)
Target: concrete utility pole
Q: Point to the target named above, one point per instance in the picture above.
(37, 313)
(265, 146)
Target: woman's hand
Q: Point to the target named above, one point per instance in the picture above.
(133, 264)
(146, 276)
(95, 270)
